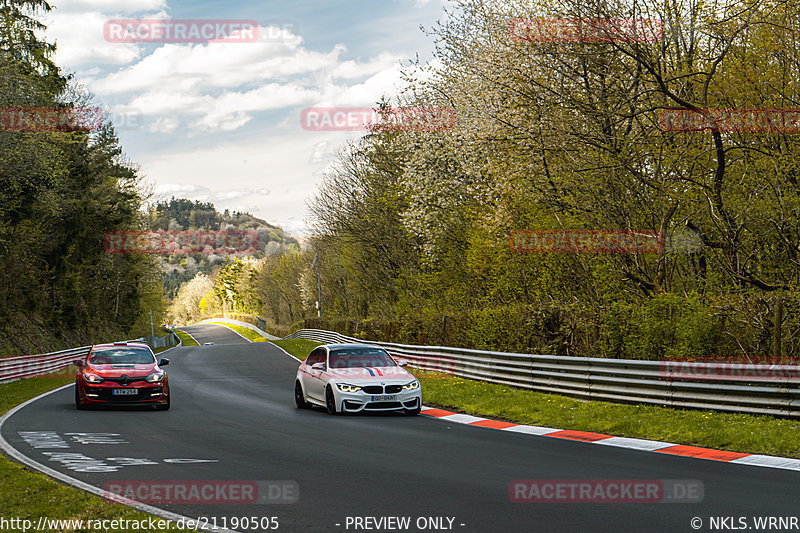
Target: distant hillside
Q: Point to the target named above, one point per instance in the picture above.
(182, 214)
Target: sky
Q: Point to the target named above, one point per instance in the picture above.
(221, 122)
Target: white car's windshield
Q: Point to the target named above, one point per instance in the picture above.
(360, 358)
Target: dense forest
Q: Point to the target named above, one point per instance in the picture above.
(412, 227)
(181, 214)
(60, 191)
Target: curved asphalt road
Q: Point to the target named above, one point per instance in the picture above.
(232, 404)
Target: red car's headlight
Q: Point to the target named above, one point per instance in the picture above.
(155, 377)
(92, 378)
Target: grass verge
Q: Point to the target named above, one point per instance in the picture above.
(725, 431)
(241, 330)
(28, 495)
(299, 348)
(186, 339)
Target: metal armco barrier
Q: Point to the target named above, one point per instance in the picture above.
(28, 366)
(755, 389)
(169, 339)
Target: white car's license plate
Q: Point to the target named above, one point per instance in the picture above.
(384, 398)
(125, 392)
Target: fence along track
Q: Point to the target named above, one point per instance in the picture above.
(739, 388)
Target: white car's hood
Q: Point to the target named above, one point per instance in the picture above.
(373, 373)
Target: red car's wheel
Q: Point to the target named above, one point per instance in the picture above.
(163, 406)
(78, 404)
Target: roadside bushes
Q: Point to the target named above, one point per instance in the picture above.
(664, 327)
(667, 326)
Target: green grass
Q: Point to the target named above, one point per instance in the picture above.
(185, 338)
(30, 495)
(299, 348)
(726, 431)
(241, 330)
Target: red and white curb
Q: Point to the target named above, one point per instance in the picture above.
(620, 442)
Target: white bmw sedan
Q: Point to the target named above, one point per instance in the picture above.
(349, 378)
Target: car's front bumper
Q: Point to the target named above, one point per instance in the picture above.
(145, 395)
(356, 402)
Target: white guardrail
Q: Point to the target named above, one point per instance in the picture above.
(29, 366)
(741, 388)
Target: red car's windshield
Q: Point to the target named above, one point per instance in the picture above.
(129, 355)
(360, 358)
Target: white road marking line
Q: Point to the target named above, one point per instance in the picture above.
(532, 430)
(461, 419)
(186, 332)
(636, 444)
(67, 480)
(769, 461)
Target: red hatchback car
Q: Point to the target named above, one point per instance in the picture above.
(121, 374)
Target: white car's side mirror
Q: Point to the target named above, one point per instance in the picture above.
(318, 366)
(402, 362)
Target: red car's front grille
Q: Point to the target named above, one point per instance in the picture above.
(106, 394)
(125, 380)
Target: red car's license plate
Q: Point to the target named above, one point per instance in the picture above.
(125, 392)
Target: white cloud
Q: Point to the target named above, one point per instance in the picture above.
(272, 176)
(218, 86)
(79, 40)
(161, 95)
(110, 6)
(218, 65)
(182, 190)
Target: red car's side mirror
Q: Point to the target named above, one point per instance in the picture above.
(78, 363)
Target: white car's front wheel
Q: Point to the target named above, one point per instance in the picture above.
(299, 397)
(414, 412)
(330, 401)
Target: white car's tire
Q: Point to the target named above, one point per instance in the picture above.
(413, 412)
(330, 401)
(300, 397)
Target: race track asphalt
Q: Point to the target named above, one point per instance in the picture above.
(233, 418)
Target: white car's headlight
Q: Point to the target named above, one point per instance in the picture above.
(348, 388)
(93, 378)
(155, 377)
(411, 386)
